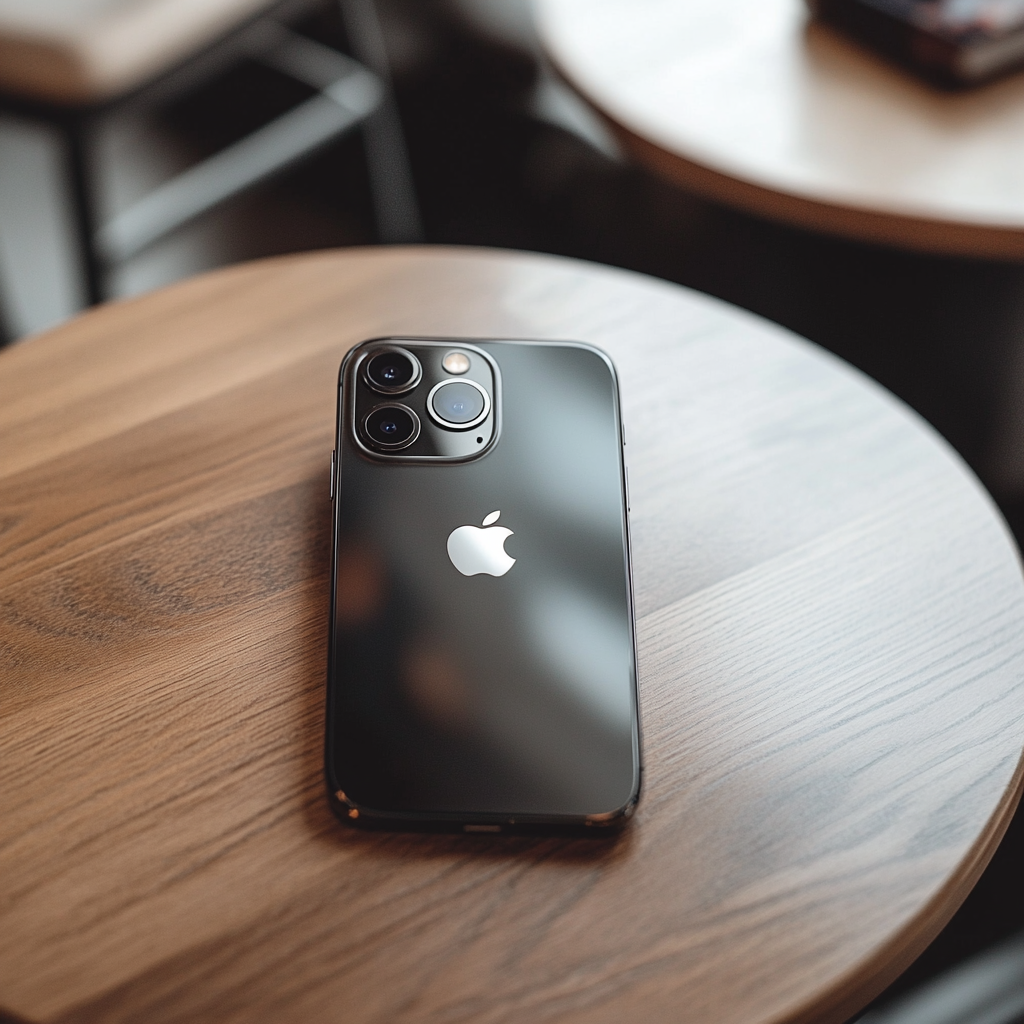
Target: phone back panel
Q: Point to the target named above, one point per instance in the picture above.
(483, 697)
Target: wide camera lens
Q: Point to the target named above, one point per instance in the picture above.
(392, 426)
(392, 371)
(458, 403)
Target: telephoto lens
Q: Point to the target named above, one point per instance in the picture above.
(458, 403)
(392, 371)
(392, 426)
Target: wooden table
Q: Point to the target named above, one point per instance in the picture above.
(744, 102)
(831, 623)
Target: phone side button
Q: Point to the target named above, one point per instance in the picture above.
(334, 470)
(626, 475)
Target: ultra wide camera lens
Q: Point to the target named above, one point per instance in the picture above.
(392, 426)
(458, 403)
(393, 371)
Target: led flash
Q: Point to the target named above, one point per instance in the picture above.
(456, 362)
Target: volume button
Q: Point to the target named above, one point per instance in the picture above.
(334, 470)
(626, 474)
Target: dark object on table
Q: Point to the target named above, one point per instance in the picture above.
(469, 687)
(952, 42)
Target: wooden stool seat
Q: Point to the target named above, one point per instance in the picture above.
(79, 52)
(831, 640)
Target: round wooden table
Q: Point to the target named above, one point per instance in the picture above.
(744, 102)
(831, 628)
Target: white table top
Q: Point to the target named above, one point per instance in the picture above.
(743, 101)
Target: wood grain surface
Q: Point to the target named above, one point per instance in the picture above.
(746, 102)
(831, 623)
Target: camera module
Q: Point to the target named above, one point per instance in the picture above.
(391, 426)
(458, 404)
(393, 371)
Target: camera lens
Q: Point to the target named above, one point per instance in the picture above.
(392, 426)
(458, 403)
(392, 371)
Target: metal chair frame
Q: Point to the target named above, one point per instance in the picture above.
(348, 95)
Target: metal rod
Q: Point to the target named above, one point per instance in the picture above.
(342, 105)
(317, 65)
(391, 180)
(80, 167)
(205, 65)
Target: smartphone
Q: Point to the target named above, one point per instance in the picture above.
(952, 42)
(482, 664)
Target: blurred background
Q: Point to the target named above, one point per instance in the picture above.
(501, 153)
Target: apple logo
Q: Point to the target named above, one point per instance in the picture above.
(473, 550)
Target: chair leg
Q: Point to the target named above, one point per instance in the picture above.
(79, 164)
(391, 180)
(41, 282)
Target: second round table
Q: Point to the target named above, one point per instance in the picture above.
(749, 103)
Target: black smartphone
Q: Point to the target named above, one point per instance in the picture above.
(482, 665)
(952, 42)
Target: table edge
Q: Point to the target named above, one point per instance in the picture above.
(903, 231)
